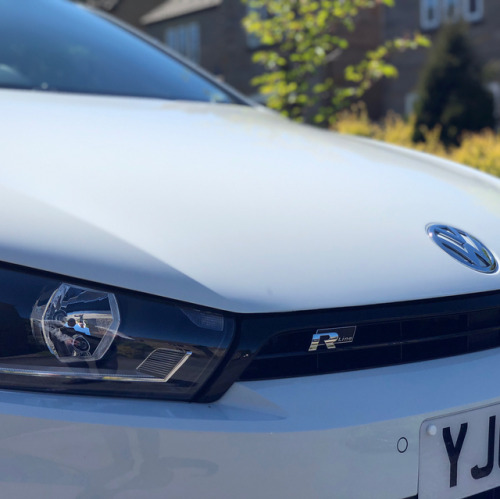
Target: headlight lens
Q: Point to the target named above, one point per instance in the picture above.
(64, 336)
(77, 324)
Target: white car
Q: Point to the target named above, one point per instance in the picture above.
(200, 299)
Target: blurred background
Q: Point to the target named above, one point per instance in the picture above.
(418, 73)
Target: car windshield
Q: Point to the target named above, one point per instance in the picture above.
(54, 45)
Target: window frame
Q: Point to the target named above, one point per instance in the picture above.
(253, 41)
(462, 11)
(425, 6)
(470, 16)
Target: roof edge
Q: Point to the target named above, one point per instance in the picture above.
(171, 9)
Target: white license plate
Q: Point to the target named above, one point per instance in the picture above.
(460, 454)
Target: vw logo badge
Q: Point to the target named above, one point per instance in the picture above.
(463, 247)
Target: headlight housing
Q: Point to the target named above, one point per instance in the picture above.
(64, 335)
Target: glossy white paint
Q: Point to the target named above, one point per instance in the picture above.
(230, 207)
(237, 209)
(264, 439)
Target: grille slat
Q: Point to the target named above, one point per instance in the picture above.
(378, 343)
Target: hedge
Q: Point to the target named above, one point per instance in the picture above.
(480, 150)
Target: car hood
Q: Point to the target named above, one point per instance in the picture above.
(230, 207)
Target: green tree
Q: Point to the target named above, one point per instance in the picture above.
(298, 39)
(451, 91)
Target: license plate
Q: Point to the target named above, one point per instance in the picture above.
(460, 454)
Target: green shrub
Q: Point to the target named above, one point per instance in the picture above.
(356, 122)
(480, 150)
(451, 90)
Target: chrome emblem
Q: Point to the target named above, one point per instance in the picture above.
(463, 247)
(331, 337)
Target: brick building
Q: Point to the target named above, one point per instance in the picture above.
(210, 33)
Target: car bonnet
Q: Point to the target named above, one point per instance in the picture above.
(229, 206)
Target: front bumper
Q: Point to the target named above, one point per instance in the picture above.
(333, 435)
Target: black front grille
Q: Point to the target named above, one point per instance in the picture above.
(419, 334)
(276, 345)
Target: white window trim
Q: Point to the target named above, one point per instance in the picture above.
(425, 22)
(472, 16)
(410, 101)
(462, 11)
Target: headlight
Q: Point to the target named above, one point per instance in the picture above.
(60, 335)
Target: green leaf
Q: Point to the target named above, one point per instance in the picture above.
(299, 38)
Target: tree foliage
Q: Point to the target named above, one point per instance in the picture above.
(299, 38)
(451, 91)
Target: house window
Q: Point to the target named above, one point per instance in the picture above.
(434, 12)
(253, 41)
(430, 14)
(473, 10)
(451, 10)
(410, 102)
(185, 39)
